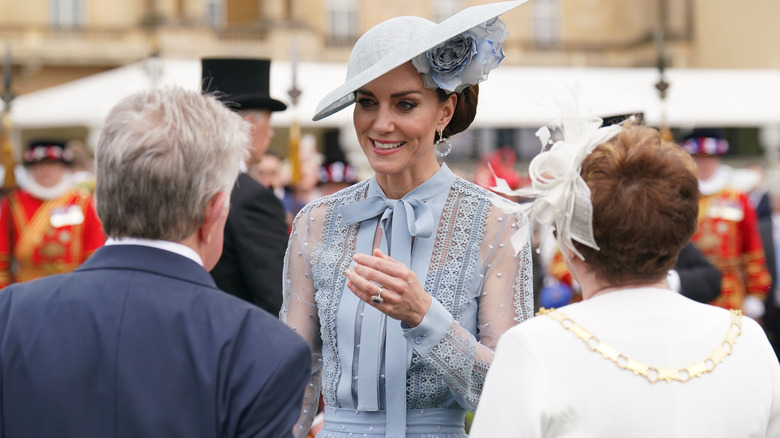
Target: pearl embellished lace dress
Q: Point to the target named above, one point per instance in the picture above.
(469, 248)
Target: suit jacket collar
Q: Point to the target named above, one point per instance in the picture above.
(246, 179)
(148, 259)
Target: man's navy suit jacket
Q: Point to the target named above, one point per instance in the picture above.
(139, 342)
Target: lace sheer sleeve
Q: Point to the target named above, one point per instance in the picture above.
(299, 310)
(504, 296)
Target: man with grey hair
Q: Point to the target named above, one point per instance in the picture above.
(138, 341)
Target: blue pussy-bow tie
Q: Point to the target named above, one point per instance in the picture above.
(414, 212)
(396, 214)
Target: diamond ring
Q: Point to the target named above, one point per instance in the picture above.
(378, 297)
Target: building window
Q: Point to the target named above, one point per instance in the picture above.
(443, 9)
(342, 20)
(67, 13)
(215, 13)
(546, 19)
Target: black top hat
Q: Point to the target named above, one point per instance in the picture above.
(241, 83)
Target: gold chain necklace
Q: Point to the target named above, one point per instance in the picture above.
(653, 374)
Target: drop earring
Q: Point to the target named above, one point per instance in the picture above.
(440, 151)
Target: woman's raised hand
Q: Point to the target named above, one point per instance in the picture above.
(390, 286)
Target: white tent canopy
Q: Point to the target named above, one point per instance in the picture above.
(725, 98)
(87, 101)
(513, 97)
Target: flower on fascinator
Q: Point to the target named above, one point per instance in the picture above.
(465, 59)
(561, 198)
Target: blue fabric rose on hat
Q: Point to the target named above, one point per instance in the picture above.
(465, 59)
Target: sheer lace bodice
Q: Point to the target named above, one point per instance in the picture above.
(479, 279)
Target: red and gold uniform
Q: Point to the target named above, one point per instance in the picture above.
(728, 232)
(728, 236)
(45, 237)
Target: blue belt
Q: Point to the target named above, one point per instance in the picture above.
(374, 422)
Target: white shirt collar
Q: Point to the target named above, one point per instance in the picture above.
(165, 245)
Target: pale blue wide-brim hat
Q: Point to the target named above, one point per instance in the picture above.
(396, 41)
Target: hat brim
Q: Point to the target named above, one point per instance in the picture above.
(47, 160)
(253, 101)
(464, 20)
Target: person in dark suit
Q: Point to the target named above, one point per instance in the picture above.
(256, 232)
(138, 341)
(694, 276)
(769, 227)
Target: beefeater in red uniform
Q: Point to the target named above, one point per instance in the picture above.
(48, 226)
(728, 232)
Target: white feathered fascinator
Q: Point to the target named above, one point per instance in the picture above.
(561, 198)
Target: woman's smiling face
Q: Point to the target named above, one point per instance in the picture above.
(396, 118)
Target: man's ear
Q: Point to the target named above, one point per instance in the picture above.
(215, 209)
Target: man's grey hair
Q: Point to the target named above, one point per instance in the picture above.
(162, 155)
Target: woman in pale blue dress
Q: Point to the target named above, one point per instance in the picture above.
(403, 283)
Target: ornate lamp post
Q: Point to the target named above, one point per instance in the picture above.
(295, 130)
(662, 85)
(6, 149)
